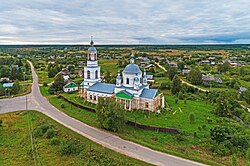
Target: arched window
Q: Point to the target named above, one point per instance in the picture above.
(88, 74)
(96, 74)
(127, 80)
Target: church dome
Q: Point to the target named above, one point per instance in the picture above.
(132, 69)
(92, 48)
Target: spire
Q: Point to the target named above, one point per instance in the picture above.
(91, 41)
(132, 58)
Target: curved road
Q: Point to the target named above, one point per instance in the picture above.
(37, 102)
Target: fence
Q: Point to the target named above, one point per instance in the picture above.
(130, 123)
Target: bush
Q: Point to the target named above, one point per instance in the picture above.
(69, 148)
(1, 122)
(50, 133)
(62, 106)
(41, 129)
(55, 141)
(45, 84)
(191, 118)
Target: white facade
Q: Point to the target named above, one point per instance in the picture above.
(92, 72)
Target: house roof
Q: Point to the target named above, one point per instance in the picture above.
(149, 93)
(70, 85)
(102, 88)
(8, 85)
(124, 95)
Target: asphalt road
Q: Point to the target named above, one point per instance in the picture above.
(35, 101)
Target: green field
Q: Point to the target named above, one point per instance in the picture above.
(16, 145)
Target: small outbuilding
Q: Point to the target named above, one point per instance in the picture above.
(70, 87)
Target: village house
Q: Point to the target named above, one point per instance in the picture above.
(70, 87)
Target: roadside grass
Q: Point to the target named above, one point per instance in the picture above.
(16, 147)
(43, 76)
(184, 145)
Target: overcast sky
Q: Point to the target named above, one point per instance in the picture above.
(124, 21)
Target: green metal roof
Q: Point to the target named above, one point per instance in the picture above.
(124, 95)
(71, 85)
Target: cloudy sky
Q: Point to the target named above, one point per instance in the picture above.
(124, 21)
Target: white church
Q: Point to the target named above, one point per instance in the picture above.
(131, 87)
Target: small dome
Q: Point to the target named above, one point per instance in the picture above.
(92, 49)
(132, 69)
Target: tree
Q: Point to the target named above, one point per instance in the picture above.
(58, 82)
(2, 91)
(219, 133)
(110, 114)
(163, 85)
(108, 77)
(223, 104)
(224, 67)
(176, 85)
(16, 88)
(171, 72)
(16, 74)
(195, 76)
(181, 65)
(246, 95)
(4, 72)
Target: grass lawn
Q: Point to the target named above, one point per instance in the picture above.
(43, 76)
(109, 65)
(16, 145)
(178, 116)
(185, 145)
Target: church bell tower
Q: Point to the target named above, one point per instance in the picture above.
(91, 70)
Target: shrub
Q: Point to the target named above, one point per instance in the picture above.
(69, 148)
(55, 141)
(41, 129)
(50, 133)
(62, 106)
(45, 84)
(191, 118)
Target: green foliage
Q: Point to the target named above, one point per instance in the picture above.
(41, 130)
(62, 105)
(191, 118)
(171, 72)
(176, 85)
(234, 160)
(163, 85)
(246, 95)
(195, 77)
(50, 133)
(69, 148)
(16, 88)
(55, 141)
(58, 82)
(16, 74)
(219, 133)
(181, 65)
(224, 67)
(110, 114)
(181, 96)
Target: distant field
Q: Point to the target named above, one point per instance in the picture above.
(15, 144)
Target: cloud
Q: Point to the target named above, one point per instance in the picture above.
(124, 21)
